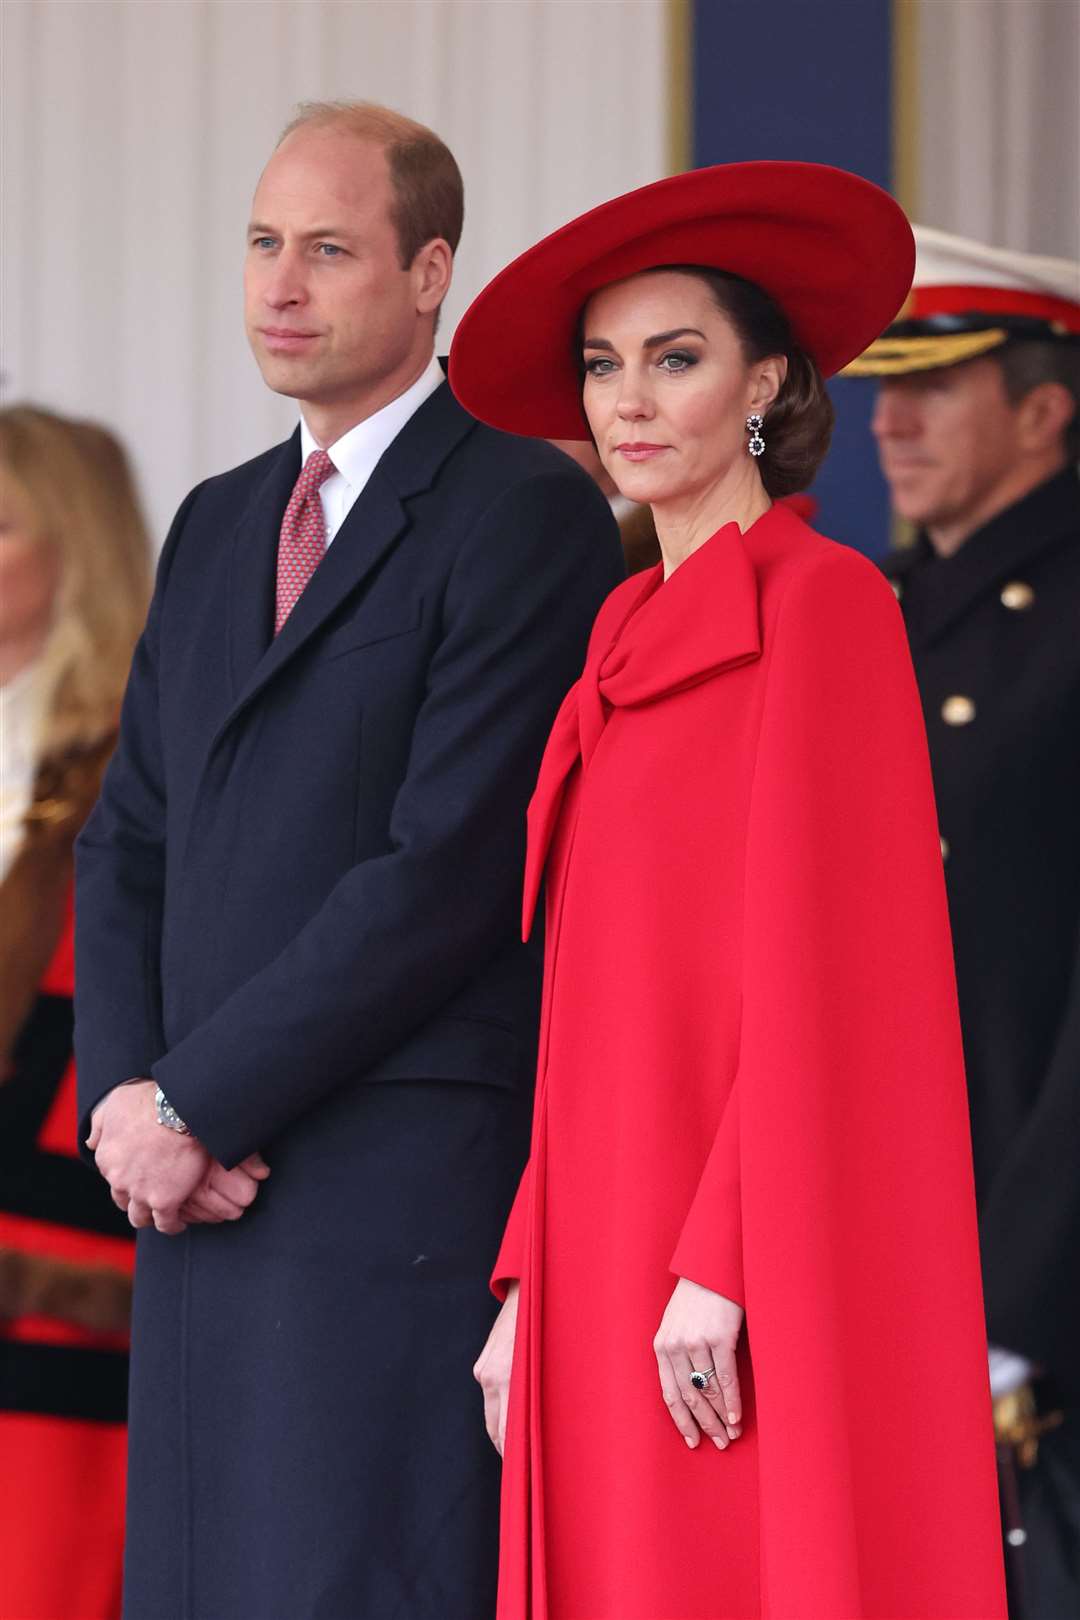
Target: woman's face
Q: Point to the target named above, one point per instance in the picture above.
(667, 388)
(29, 569)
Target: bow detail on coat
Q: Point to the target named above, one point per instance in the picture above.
(652, 639)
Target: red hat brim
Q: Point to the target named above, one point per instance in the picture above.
(834, 251)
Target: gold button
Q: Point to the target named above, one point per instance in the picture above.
(1017, 594)
(944, 849)
(958, 710)
(897, 588)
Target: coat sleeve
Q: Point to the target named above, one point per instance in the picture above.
(511, 1258)
(399, 934)
(848, 1151)
(120, 884)
(1030, 1222)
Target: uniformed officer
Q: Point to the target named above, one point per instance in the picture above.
(977, 423)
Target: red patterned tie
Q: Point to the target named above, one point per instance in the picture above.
(302, 545)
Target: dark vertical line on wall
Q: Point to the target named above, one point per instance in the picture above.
(813, 83)
(680, 89)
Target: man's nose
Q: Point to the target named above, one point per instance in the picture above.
(895, 414)
(285, 285)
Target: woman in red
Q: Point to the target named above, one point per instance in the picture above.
(741, 1283)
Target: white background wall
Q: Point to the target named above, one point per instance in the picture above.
(999, 121)
(133, 134)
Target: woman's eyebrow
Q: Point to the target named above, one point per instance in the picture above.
(649, 343)
(668, 337)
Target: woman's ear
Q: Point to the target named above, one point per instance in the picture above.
(767, 379)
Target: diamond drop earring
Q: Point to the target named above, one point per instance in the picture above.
(754, 425)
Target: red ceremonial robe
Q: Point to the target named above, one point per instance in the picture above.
(750, 1075)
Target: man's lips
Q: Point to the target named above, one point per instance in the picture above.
(285, 338)
(635, 451)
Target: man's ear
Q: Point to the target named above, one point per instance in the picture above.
(432, 270)
(1044, 415)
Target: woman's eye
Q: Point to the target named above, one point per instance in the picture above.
(677, 360)
(599, 366)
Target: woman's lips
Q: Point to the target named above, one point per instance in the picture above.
(640, 452)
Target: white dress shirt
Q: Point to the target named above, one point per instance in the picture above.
(357, 452)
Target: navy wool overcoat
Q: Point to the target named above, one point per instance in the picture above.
(297, 904)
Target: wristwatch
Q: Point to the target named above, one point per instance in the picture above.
(167, 1115)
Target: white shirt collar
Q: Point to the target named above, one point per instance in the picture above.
(356, 453)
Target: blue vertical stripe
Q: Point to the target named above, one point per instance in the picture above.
(808, 80)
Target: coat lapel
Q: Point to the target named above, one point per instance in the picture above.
(378, 519)
(253, 564)
(651, 640)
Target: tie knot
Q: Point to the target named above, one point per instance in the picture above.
(315, 471)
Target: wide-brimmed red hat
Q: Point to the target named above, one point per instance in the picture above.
(835, 252)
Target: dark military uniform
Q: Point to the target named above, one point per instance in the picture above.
(995, 637)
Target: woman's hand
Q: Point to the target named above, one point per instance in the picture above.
(492, 1370)
(699, 1331)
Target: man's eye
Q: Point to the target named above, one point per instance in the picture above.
(599, 366)
(263, 242)
(329, 250)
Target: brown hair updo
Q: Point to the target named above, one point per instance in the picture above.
(799, 423)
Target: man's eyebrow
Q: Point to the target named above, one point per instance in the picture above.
(256, 228)
(649, 343)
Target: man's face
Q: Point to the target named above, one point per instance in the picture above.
(947, 440)
(329, 311)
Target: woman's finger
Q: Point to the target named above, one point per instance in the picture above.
(696, 1359)
(724, 1389)
(675, 1402)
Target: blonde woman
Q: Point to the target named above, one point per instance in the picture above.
(74, 584)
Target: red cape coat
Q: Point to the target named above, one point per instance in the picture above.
(737, 823)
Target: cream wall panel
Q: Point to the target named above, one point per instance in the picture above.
(133, 134)
(999, 121)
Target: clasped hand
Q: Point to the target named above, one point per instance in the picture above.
(160, 1177)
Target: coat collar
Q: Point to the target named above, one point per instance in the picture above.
(1003, 548)
(378, 518)
(653, 638)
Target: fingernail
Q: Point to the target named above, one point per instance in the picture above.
(691, 1443)
(734, 1434)
(733, 1417)
(721, 1445)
